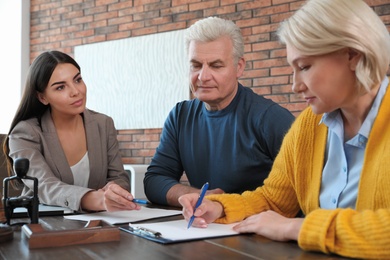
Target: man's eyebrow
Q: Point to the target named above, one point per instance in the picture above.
(216, 61)
(194, 61)
(211, 62)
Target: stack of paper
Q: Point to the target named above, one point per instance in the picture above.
(126, 216)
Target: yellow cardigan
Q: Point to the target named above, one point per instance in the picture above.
(295, 180)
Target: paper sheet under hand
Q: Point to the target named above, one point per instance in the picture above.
(126, 216)
(176, 230)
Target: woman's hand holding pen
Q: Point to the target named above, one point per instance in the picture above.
(116, 198)
(268, 223)
(206, 213)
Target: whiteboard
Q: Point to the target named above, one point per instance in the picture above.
(136, 80)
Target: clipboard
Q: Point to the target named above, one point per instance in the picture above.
(160, 240)
(176, 231)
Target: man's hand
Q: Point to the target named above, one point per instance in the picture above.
(215, 191)
(179, 189)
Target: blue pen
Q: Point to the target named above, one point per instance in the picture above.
(140, 201)
(200, 199)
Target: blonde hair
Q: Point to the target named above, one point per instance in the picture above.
(325, 26)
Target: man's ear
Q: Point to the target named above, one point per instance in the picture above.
(42, 98)
(240, 67)
(354, 58)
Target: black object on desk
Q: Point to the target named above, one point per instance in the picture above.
(31, 203)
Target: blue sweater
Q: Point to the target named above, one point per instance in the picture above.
(232, 149)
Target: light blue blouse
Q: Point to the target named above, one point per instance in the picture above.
(344, 160)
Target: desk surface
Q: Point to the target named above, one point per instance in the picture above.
(132, 247)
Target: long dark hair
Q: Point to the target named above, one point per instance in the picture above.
(38, 77)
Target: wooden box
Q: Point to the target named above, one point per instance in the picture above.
(95, 231)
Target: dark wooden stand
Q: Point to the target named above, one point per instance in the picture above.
(95, 231)
(6, 233)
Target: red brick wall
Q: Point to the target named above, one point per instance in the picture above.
(64, 24)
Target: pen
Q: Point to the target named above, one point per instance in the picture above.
(200, 199)
(140, 201)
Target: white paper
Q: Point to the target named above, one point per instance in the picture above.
(126, 216)
(177, 230)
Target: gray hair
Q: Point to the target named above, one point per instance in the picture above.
(211, 28)
(325, 26)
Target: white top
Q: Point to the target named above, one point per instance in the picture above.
(81, 172)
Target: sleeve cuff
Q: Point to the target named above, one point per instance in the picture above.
(233, 206)
(317, 231)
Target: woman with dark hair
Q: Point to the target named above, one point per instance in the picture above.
(73, 151)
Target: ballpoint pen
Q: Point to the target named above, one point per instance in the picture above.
(200, 199)
(140, 201)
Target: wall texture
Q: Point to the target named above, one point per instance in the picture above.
(64, 24)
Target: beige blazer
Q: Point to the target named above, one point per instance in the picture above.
(38, 142)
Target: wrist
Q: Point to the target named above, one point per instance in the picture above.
(293, 229)
(93, 200)
(176, 191)
(220, 209)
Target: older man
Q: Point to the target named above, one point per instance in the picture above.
(228, 135)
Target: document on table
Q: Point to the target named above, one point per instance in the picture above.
(126, 216)
(176, 231)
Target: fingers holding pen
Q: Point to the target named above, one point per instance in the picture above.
(188, 202)
(117, 198)
(206, 213)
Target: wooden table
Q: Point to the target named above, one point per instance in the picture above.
(132, 247)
